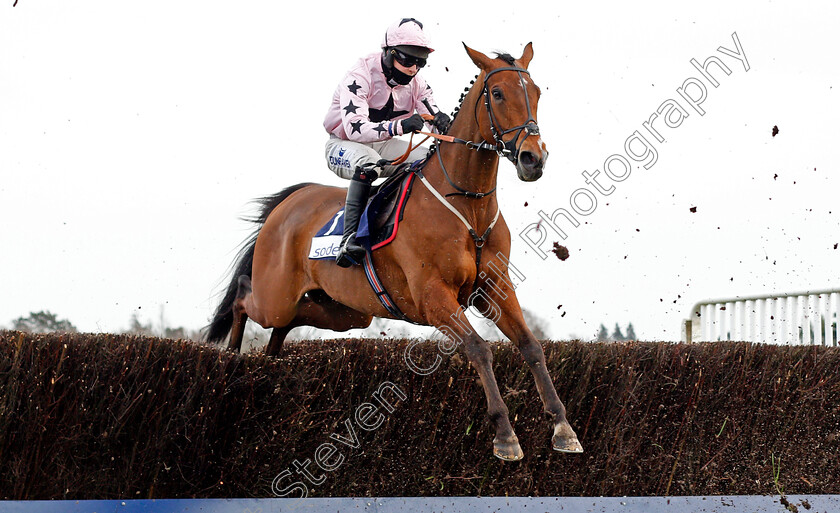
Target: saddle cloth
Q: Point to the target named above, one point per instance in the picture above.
(378, 225)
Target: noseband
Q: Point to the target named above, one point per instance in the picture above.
(509, 149)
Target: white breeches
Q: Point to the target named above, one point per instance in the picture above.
(344, 156)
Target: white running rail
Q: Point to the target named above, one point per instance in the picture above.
(808, 317)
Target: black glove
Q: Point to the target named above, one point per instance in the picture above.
(442, 122)
(413, 124)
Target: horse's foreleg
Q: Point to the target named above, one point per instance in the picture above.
(443, 311)
(512, 324)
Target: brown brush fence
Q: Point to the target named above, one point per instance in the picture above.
(117, 416)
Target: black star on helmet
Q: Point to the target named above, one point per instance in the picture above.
(351, 108)
(354, 87)
(357, 127)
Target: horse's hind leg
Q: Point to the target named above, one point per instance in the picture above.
(318, 310)
(275, 343)
(240, 318)
(321, 311)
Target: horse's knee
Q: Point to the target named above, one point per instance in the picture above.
(531, 352)
(478, 352)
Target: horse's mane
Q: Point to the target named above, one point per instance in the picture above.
(508, 58)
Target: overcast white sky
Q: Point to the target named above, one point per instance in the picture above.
(134, 134)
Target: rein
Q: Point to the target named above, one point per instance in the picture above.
(507, 149)
(442, 137)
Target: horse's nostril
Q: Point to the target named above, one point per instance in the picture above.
(528, 160)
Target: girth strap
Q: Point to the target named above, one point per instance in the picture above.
(380, 291)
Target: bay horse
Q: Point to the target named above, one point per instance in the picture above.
(433, 267)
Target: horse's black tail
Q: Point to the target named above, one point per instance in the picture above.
(223, 319)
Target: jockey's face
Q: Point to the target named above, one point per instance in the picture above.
(408, 71)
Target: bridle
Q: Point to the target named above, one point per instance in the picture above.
(508, 149)
(501, 147)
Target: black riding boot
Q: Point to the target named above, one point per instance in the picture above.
(350, 251)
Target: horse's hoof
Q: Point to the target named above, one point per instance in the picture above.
(565, 439)
(567, 445)
(508, 451)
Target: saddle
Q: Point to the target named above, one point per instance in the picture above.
(380, 220)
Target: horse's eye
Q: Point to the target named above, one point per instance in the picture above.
(497, 94)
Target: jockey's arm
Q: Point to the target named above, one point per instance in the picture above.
(428, 106)
(355, 116)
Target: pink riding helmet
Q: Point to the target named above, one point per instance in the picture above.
(406, 32)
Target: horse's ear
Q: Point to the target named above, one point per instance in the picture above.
(480, 60)
(527, 55)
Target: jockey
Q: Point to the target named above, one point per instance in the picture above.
(381, 97)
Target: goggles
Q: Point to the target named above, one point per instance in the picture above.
(407, 60)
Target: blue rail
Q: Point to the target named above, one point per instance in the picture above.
(710, 504)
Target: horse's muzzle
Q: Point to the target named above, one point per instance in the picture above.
(530, 166)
